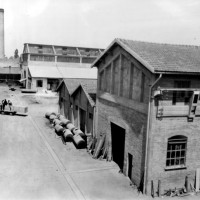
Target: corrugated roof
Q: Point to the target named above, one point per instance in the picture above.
(12, 70)
(161, 57)
(82, 73)
(59, 64)
(45, 71)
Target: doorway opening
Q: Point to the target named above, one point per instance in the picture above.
(130, 165)
(118, 143)
(82, 119)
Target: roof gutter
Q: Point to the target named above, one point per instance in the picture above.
(147, 136)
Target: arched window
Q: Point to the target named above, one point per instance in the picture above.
(176, 151)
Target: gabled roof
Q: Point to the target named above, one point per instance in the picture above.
(88, 88)
(62, 72)
(160, 58)
(72, 84)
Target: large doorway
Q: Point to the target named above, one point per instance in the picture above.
(118, 143)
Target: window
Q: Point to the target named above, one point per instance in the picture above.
(76, 107)
(39, 83)
(176, 151)
(181, 96)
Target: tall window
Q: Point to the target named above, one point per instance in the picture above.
(39, 83)
(176, 151)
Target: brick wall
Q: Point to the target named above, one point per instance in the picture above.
(164, 128)
(134, 124)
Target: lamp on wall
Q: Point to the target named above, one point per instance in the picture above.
(157, 93)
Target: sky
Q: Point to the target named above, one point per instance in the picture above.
(96, 23)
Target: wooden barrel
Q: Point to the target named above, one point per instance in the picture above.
(70, 126)
(56, 121)
(67, 135)
(47, 114)
(61, 117)
(78, 140)
(59, 129)
(77, 131)
(52, 117)
(65, 121)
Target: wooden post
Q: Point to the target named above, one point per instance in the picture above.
(197, 179)
(159, 188)
(152, 189)
(186, 184)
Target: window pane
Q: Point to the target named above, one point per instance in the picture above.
(182, 161)
(182, 153)
(168, 154)
(168, 163)
(172, 162)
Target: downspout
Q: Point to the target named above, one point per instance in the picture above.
(147, 135)
(94, 122)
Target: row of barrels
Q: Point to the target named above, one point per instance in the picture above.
(65, 128)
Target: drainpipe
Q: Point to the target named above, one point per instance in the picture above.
(147, 136)
(94, 121)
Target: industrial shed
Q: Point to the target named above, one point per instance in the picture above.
(65, 89)
(10, 74)
(83, 101)
(51, 62)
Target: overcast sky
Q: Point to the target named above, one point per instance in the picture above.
(95, 23)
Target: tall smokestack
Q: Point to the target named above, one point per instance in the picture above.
(2, 53)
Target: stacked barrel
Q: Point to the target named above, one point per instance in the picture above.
(67, 130)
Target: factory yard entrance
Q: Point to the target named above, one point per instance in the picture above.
(118, 143)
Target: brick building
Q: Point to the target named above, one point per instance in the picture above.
(148, 107)
(43, 66)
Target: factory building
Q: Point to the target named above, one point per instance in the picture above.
(148, 106)
(44, 66)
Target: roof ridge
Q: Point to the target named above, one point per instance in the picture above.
(158, 43)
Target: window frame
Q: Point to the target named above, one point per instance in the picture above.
(175, 152)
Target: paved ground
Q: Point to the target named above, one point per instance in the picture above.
(35, 164)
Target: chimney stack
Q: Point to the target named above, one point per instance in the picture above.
(2, 53)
